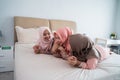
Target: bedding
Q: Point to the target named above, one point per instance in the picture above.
(28, 22)
(30, 66)
(27, 35)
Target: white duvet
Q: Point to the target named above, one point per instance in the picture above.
(30, 66)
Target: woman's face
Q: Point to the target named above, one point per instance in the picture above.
(57, 39)
(46, 35)
(56, 36)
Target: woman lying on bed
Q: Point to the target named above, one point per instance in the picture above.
(45, 41)
(78, 49)
(59, 49)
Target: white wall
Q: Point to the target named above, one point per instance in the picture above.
(93, 17)
(117, 24)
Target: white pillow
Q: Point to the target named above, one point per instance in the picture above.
(27, 35)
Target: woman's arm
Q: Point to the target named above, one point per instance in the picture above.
(54, 47)
(90, 64)
(63, 53)
(36, 49)
(72, 60)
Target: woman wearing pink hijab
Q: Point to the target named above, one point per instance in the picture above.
(45, 41)
(61, 47)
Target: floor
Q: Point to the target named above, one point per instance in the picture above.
(6, 76)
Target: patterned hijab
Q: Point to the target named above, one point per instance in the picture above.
(44, 44)
(64, 34)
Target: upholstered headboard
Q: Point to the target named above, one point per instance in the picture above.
(56, 24)
(29, 22)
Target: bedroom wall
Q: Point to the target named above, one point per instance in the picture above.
(117, 24)
(94, 17)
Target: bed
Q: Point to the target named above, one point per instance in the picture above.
(30, 66)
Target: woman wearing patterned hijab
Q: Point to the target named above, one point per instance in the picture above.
(61, 47)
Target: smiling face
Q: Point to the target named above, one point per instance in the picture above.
(46, 35)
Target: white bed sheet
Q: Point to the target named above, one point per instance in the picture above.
(30, 66)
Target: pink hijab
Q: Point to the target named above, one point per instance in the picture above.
(41, 41)
(64, 34)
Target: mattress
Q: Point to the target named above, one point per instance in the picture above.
(30, 66)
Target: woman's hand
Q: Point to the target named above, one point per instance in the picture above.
(36, 49)
(54, 47)
(61, 49)
(72, 60)
(58, 41)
